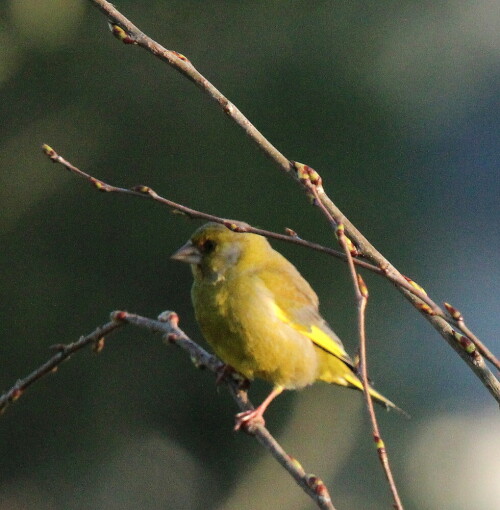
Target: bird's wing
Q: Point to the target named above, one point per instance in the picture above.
(316, 330)
(296, 304)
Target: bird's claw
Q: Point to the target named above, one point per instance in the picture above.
(248, 420)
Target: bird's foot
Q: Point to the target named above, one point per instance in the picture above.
(248, 420)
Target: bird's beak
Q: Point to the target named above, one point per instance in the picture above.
(188, 253)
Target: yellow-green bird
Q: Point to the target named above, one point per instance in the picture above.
(261, 317)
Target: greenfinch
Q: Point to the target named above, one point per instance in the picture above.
(261, 317)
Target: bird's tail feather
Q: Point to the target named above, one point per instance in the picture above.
(378, 397)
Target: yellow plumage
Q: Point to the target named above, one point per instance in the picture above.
(261, 317)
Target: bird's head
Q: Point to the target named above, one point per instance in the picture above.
(214, 249)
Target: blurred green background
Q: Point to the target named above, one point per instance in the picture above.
(394, 103)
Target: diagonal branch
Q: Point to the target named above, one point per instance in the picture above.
(127, 32)
(459, 322)
(64, 351)
(465, 347)
(239, 226)
(167, 326)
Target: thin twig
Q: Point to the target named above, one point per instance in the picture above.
(458, 319)
(167, 325)
(143, 191)
(64, 351)
(234, 225)
(361, 292)
(128, 33)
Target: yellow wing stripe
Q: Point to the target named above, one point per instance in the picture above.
(325, 342)
(317, 335)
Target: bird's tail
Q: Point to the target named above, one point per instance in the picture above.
(378, 397)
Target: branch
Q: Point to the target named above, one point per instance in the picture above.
(459, 322)
(307, 177)
(349, 251)
(167, 326)
(64, 351)
(361, 292)
(142, 191)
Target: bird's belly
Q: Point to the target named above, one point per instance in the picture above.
(277, 354)
(241, 322)
(285, 358)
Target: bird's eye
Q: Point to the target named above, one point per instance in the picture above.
(208, 246)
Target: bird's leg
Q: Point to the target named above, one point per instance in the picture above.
(255, 416)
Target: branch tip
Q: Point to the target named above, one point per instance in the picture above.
(454, 313)
(170, 317)
(50, 152)
(118, 316)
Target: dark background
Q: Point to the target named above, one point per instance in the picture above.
(394, 103)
